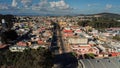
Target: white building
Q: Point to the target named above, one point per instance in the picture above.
(17, 48)
(77, 40)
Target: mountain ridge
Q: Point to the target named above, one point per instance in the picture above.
(103, 14)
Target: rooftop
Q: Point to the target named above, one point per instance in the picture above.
(101, 63)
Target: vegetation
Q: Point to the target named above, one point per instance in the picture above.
(73, 54)
(40, 58)
(106, 21)
(89, 56)
(8, 36)
(116, 37)
(9, 19)
(100, 23)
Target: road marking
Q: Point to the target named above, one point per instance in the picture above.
(90, 63)
(82, 63)
(114, 63)
(102, 64)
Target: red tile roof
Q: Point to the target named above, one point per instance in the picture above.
(68, 34)
(68, 31)
(40, 42)
(21, 43)
(2, 46)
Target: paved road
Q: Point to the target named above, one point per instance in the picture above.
(64, 59)
(54, 45)
(62, 43)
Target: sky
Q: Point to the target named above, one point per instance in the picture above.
(58, 7)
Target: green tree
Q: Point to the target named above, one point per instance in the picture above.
(41, 58)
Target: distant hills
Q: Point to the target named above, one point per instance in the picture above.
(105, 14)
(111, 15)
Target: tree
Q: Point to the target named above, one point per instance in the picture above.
(41, 58)
(8, 36)
(9, 20)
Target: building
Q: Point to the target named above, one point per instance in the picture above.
(17, 48)
(84, 49)
(99, 63)
(77, 40)
(4, 24)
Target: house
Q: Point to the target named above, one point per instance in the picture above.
(62, 23)
(67, 31)
(103, 49)
(78, 31)
(92, 43)
(84, 49)
(68, 34)
(113, 54)
(77, 40)
(40, 42)
(22, 43)
(17, 48)
(2, 45)
(34, 46)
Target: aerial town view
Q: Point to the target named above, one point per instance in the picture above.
(59, 33)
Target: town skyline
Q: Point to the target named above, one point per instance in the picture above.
(58, 7)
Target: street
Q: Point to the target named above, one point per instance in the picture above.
(63, 58)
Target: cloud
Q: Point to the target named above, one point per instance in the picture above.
(43, 7)
(108, 6)
(26, 3)
(43, 4)
(59, 4)
(4, 6)
(14, 3)
(9, 7)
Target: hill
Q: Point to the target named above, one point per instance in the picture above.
(109, 15)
